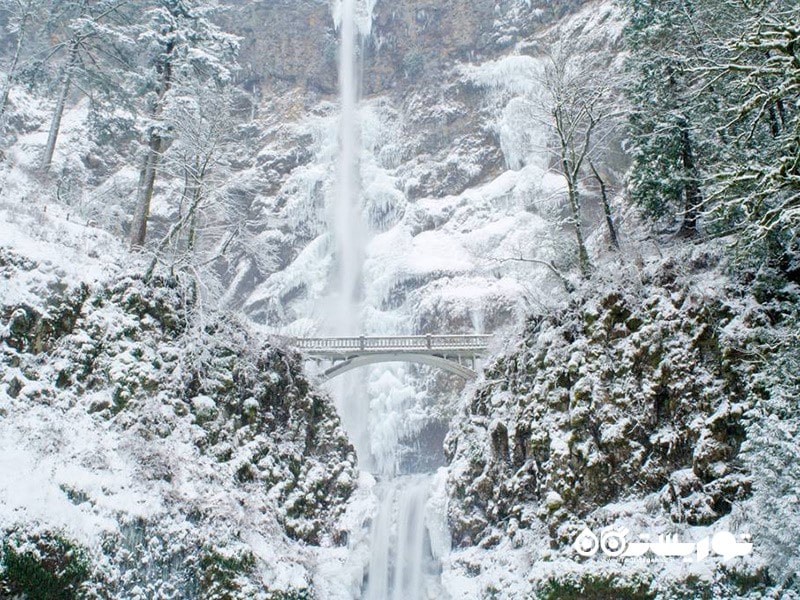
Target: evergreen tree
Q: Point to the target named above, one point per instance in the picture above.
(665, 140)
(715, 125)
(772, 447)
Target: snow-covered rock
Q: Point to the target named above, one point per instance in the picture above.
(150, 450)
(626, 410)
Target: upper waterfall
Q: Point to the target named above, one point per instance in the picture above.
(362, 11)
(353, 19)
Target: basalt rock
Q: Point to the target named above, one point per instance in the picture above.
(623, 394)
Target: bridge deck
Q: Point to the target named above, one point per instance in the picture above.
(444, 345)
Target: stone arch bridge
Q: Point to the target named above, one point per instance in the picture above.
(453, 353)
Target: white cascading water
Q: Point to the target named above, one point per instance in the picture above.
(401, 563)
(347, 221)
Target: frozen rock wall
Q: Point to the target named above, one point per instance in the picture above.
(448, 196)
(625, 410)
(151, 450)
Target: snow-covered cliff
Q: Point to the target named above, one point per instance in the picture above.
(151, 448)
(625, 410)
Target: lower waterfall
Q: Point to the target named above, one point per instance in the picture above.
(400, 535)
(408, 533)
(401, 565)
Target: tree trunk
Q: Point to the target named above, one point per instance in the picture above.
(774, 127)
(190, 217)
(147, 177)
(144, 195)
(575, 207)
(191, 237)
(12, 68)
(55, 124)
(781, 112)
(612, 232)
(691, 187)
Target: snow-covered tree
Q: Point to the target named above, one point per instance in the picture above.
(179, 43)
(207, 220)
(714, 86)
(19, 16)
(772, 448)
(664, 140)
(579, 109)
(754, 70)
(86, 34)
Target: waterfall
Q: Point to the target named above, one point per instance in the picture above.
(347, 222)
(348, 230)
(401, 562)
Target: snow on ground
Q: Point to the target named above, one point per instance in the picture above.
(56, 231)
(68, 252)
(70, 472)
(65, 469)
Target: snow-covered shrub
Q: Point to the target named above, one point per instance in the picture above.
(772, 450)
(606, 586)
(220, 572)
(36, 328)
(42, 565)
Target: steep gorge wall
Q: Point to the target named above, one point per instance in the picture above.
(621, 393)
(431, 141)
(631, 409)
(171, 452)
(294, 43)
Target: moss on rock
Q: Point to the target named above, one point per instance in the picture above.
(42, 566)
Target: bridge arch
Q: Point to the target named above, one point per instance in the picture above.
(374, 358)
(445, 352)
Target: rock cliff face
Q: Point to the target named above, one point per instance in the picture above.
(432, 151)
(625, 410)
(412, 43)
(199, 447)
(285, 44)
(624, 391)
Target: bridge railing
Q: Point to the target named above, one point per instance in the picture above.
(405, 342)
